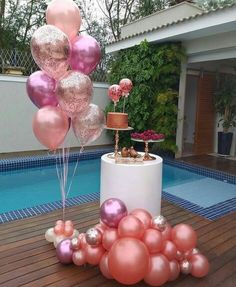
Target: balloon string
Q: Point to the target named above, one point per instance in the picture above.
(114, 106)
(75, 169)
(124, 105)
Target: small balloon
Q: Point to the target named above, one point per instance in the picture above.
(83, 241)
(174, 270)
(69, 222)
(41, 89)
(50, 49)
(184, 237)
(75, 243)
(79, 257)
(75, 233)
(112, 211)
(50, 126)
(103, 265)
(94, 254)
(200, 265)
(88, 125)
(65, 15)
(68, 231)
(102, 227)
(142, 215)
(64, 251)
(169, 250)
(126, 86)
(93, 236)
(166, 234)
(59, 229)
(159, 222)
(115, 92)
(185, 267)
(50, 235)
(130, 226)
(58, 239)
(74, 92)
(110, 236)
(179, 256)
(153, 240)
(85, 54)
(59, 222)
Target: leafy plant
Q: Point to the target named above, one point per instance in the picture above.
(225, 97)
(153, 69)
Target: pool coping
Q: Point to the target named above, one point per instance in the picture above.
(212, 213)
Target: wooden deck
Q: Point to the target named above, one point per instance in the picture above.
(213, 162)
(26, 259)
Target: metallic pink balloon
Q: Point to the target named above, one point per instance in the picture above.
(85, 54)
(64, 251)
(79, 257)
(65, 15)
(112, 211)
(41, 89)
(50, 49)
(88, 125)
(74, 92)
(50, 126)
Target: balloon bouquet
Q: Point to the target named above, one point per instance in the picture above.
(133, 247)
(62, 90)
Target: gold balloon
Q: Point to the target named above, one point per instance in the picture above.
(159, 222)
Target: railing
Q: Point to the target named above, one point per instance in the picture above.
(22, 63)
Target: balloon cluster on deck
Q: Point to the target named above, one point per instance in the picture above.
(115, 92)
(135, 246)
(63, 89)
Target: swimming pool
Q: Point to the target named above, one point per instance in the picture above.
(39, 186)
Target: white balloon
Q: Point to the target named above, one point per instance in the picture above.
(50, 235)
(75, 233)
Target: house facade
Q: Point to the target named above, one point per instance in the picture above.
(209, 39)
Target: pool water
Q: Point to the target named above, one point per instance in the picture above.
(35, 186)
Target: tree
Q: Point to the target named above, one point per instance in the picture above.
(213, 4)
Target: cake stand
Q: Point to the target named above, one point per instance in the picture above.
(116, 149)
(147, 156)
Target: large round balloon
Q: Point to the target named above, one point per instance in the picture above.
(50, 126)
(153, 240)
(65, 15)
(50, 49)
(109, 237)
(94, 254)
(64, 251)
(103, 265)
(130, 226)
(74, 92)
(88, 125)
(85, 54)
(200, 265)
(41, 89)
(184, 237)
(112, 211)
(142, 215)
(128, 260)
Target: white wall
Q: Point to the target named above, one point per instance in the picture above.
(17, 111)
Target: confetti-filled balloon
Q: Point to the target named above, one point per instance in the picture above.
(126, 86)
(159, 222)
(93, 236)
(115, 92)
(185, 266)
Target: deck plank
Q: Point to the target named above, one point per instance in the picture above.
(28, 260)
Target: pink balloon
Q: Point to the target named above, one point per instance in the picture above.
(88, 125)
(74, 92)
(79, 257)
(69, 230)
(110, 236)
(142, 215)
(184, 237)
(169, 250)
(174, 270)
(50, 49)
(200, 265)
(152, 238)
(64, 251)
(126, 86)
(130, 226)
(50, 126)
(65, 15)
(83, 241)
(100, 226)
(115, 92)
(128, 260)
(103, 265)
(94, 254)
(179, 255)
(41, 89)
(166, 234)
(85, 54)
(159, 270)
(59, 229)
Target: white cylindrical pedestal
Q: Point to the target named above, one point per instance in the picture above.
(138, 185)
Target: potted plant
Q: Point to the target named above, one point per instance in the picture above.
(225, 104)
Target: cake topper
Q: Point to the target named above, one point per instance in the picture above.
(126, 86)
(115, 92)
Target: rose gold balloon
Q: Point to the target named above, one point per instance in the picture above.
(59, 222)
(59, 229)
(69, 222)
(79, 257)
(103, 265)
(75, 243)
(93, 237)
(94, 254)
(185, 266)
(179, 255)
(166, 234)
(174, 270)
(74, 92)
(159, 270)
(169, 250)
(200, 265)
(130, 226)
(110, 236)
(50, 49)
(100, 226)
(82, 240)
(65, 15)
(128, 260)
(68, 231)
(142, 215)
(184, 237)
(153, 240)
(88, 125)
(50, 126)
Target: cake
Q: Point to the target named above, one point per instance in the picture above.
(117, 120)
